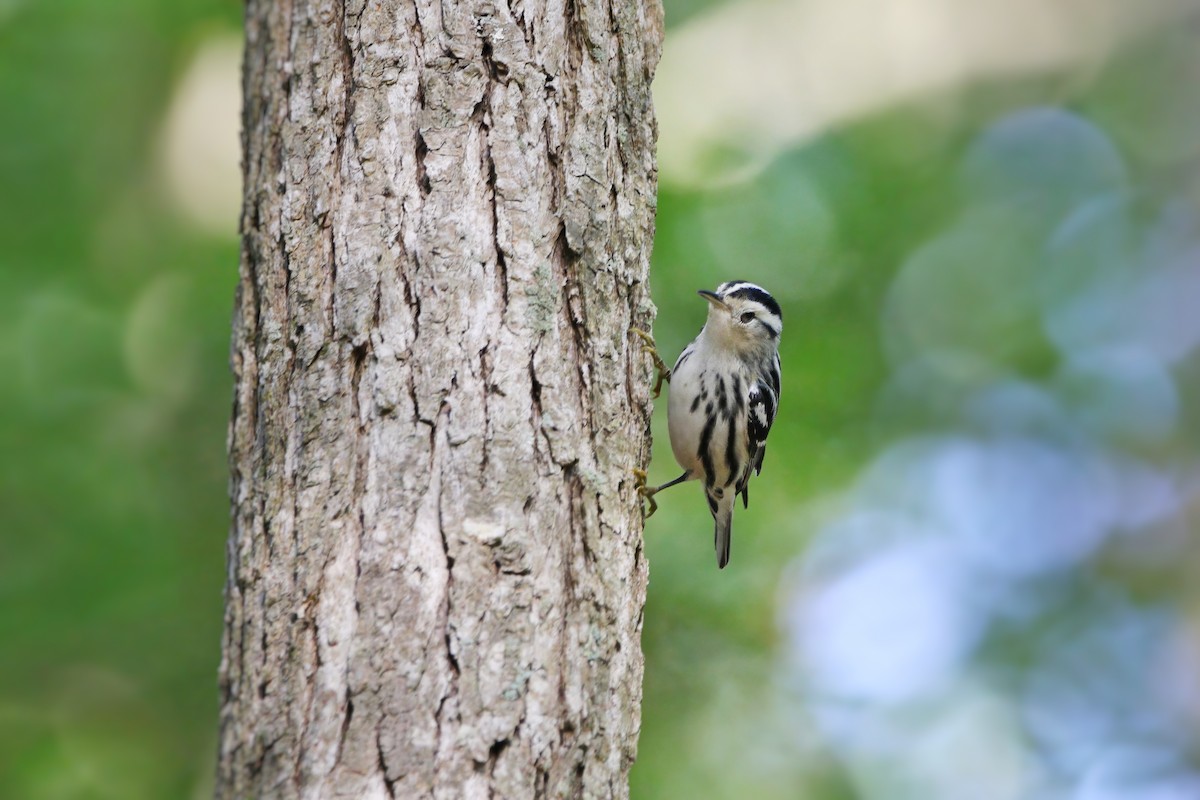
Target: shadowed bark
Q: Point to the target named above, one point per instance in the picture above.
(436, 576)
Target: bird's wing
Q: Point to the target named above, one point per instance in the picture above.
(761, 404)
(770, 404)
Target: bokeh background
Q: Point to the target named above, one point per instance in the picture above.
(968, 570)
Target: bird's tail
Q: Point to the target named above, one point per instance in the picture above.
(722, 511)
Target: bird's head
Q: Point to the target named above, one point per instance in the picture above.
(743, 317)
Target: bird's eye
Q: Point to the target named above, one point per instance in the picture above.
(748, 317)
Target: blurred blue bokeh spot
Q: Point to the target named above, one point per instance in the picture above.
(988, 555)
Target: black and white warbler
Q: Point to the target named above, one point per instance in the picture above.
(724, 395)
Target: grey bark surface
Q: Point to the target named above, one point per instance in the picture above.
(436, 576)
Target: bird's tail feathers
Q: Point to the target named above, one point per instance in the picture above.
(723, 530)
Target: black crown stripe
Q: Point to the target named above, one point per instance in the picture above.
(760, 296)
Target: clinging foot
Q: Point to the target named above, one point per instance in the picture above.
(664, 372)
(645, 491)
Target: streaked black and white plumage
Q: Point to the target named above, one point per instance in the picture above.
(724, 395)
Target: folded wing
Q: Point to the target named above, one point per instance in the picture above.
(761, 404)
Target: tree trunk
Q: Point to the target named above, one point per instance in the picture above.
(436, 575)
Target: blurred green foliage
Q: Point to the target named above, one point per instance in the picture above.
(113, 405)
(983, 296)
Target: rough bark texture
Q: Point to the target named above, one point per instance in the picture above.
(436, 576)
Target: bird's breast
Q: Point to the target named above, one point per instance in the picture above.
(685, 410)
(706, 417)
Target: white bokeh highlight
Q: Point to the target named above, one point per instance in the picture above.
(743, 81)
(200, 146)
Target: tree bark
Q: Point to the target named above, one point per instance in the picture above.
(436, 576)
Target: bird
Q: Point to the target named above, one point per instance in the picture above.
(723, 400)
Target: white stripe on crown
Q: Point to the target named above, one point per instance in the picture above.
(733, 286)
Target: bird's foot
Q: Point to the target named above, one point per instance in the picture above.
(664, 372)
(646, 492)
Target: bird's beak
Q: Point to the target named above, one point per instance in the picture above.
(712, 298)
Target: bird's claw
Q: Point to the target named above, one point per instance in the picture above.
(645, 492)
(664, 372)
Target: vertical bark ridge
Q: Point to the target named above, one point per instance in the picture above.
(435, 570)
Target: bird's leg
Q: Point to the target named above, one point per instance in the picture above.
(648, 492)
(664, 372)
